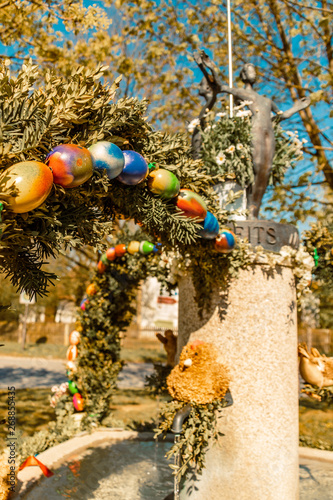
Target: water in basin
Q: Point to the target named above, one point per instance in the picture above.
(137, 470)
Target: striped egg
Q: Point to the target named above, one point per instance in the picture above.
(31, 181)
(72, 165)
(225, 242)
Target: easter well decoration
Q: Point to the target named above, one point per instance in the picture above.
(201, 380)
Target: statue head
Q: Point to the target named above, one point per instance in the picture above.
(248, 73)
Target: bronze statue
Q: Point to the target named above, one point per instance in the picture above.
(261, 107)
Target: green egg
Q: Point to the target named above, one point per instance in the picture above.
(72, 387)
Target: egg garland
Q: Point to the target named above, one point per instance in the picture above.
(72, 353)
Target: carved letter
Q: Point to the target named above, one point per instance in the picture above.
(271, 233)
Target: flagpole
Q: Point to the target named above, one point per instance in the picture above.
(231, 97)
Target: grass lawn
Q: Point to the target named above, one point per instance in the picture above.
(134, 350)
(134, 408)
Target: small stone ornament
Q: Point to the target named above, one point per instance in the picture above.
(107, 156)
(198, 377)
(315, 368)
(32, 182)
(135, 169)
(72, 165)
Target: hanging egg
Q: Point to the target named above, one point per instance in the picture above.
(225, 242)
(72, 387)
(210, 227)
(157, 247)
(105, 259)
(78, 402)
(83, 304)
(72, 353)
(107, 156)
(32, 182)
(101, 267)
(191, 205)
(135, 169)
(111, 254)
(74, 337)
(120, 250)
(72, 165)
(163, 183)
(71, 366)
(133, 247)
(91, 289)
(146, 247)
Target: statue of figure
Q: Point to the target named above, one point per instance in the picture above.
(261, 107)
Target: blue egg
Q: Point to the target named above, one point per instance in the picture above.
(135, 169)
(210, 227)
(108, 156)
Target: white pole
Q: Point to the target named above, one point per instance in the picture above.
(231, 97)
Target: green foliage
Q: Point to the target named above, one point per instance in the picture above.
(199, 431)
(156, 382)
(227, 151)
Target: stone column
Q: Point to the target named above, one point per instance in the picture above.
(254, 325)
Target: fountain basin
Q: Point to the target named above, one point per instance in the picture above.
(126, 465)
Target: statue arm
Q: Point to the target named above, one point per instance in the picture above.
(241, 94)
(299, 105)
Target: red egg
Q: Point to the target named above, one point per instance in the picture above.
(101, 267)
(72, 165)
(192, 205)
(32, 182)
(111, 254)
(78, 402)
(120, 250)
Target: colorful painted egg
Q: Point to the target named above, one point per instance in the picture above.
(72, 387)
(74, 337)
(135, 169)
(71, 366)
(108, 156)
(91, 289)
(78, 402)
(210, 227)
(105, 259)
(225, 242)
(101, 267)
(120, 249)
(83, 304)
(191, 205)
(32, 182)
(72, 165)
(111, 254)
(163, 183)
(72, 353)
(146, 247)
(133, 247)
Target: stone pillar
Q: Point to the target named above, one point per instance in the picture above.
(254, 325)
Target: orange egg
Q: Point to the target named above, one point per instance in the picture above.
(101, 267)
(74, 337)
(32, 182)
(120, 250)
(72, 353)
(91, 289)
(78, 402)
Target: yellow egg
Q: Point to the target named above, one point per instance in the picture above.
(32, 182)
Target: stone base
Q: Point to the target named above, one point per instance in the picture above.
(254, 326)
